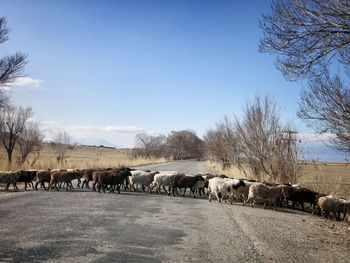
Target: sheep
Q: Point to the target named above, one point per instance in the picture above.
(79, 174)
(186, 181)
(207, 177)
(27, 178)
(114, 178)
(301, 195)
(243, 191)
(9, 178)
(121, 178)
(87, 177)
(334, 205)
(220, 187)
(142, 178)
(269, 183)
(98, 178)
(260, 191)
(284, 190)
(44, 176)
(164, 179)
(64, 177)
(201, 185)
(346, 208)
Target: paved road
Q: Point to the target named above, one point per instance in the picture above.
(85, 226)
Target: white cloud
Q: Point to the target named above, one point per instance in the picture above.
(121, 135)
(26, 82)
(123, 129)
(315, 137)
(108, 128)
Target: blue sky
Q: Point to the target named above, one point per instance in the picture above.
(109, 69)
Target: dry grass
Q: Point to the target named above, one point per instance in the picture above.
(232, 172)
(328, 178)
(85, 157)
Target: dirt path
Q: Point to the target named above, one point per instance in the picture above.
(82, 226)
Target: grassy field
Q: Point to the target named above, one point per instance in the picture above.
(328, 178)
(84, 157)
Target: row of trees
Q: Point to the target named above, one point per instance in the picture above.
(178, 145)
(259, 144)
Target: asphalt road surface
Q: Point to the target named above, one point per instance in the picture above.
(84, 226)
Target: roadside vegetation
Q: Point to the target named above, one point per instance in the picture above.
(82, 157)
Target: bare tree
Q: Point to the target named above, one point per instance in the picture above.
(257, 144)
(307, 35)
(263, 143)
(326, 106)
(148, 146)
(10, 66)
(29, 143)
(12, 123)
(61, 145)
(221, 142)
(185, 145)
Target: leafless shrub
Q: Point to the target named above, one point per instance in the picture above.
(61, 145)
(221, 143)
(148, 146)
(12, 123)
(29, 144)
(258, 142)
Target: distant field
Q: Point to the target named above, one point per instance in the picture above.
(329, 178)
(84, 157)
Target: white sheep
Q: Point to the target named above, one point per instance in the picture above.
(260, 191)
(164, 179)
(331, 204)
(221, 187)
(141, 178)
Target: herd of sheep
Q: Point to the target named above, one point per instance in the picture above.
(175, 183)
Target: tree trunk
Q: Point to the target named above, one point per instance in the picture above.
(9, 159)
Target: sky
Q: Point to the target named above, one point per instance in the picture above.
(106, 70)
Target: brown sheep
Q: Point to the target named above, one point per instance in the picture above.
(113, 178)
(42, 177)
(87, 177)
(64, 177)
